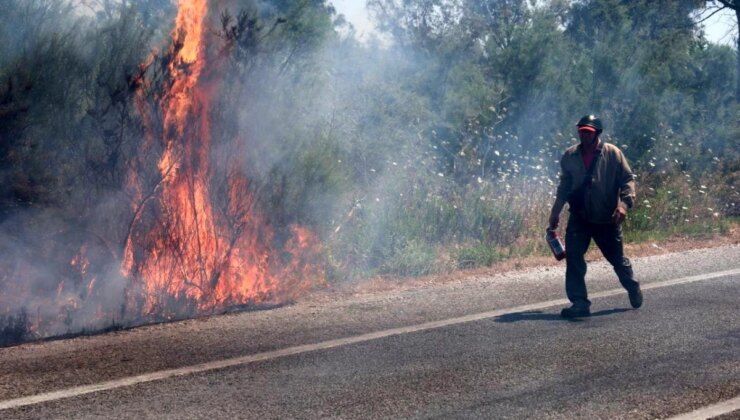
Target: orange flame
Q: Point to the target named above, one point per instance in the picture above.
(181, 247)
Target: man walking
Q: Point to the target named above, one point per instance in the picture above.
(599, 187)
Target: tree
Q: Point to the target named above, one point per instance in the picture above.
(733, 5)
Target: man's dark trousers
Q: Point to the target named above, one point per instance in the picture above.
(608, 238)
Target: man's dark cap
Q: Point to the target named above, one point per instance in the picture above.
(591, 121)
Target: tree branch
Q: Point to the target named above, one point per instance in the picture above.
(704, 19)
(730, 4)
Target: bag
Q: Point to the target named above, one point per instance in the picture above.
(577, 198)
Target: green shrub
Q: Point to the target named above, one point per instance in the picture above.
(478, 256)
(414, 259)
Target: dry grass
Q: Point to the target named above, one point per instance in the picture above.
(673, 244)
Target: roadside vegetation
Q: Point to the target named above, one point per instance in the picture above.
(433, 149)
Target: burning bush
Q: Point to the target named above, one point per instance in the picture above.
(170, 226)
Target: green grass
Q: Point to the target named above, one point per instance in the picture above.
(479, 255)
(702, 229)
(418, 259)
(431, 225)
(414, 259)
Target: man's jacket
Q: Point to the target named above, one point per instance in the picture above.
(613, 182)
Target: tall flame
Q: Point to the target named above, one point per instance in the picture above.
(195, 242)
(189, 62)
(181, 248)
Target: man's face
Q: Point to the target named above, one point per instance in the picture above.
(587, 137)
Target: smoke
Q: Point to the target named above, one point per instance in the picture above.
(353, 143)
(374, 158)
(64, 278)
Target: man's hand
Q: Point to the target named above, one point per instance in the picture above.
(554, 220)
(619, 214)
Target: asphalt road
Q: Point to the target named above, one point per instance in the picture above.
(678, 353)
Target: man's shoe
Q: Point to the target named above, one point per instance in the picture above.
(575, 312)
(636, 298)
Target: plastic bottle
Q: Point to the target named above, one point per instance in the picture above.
(556, 244)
